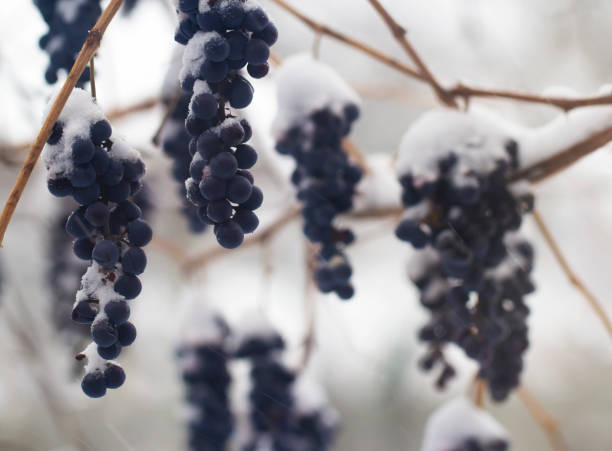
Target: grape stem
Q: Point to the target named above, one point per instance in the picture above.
(92, 77)
(92, 43)
(479, 388)
(544, 419)
(571, 275)
(310, 307)
(459, 90)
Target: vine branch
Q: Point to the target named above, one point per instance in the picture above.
(92, 43)
(399, 33)
(459, 90)
(564, 158)
(571, 275)
(543, 418)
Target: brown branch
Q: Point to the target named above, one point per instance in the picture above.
(459, 90)
(544, 419)
(571, 275)
(355, 154)
(92, 77)
(365, 48)
(92, 43)
(564, 103)
(399, 33)
(169, 110)
(193, 263)
(480, 388)
(563, 159)
(143, 105)
(310, 307)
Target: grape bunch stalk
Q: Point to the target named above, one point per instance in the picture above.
(69, 22)
(471, 268)
(101, 173)
(324, 176)
(221, 38)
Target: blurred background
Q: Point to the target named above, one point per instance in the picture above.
(366, 349)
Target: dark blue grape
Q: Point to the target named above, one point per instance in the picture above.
(126, 333)
(118, 312)
(83, 248)
(106, 253)
(114, 376)
(134, 261)
(103, 333)
(229, 235)
(139, 233)
(93, 385)
(128, 286)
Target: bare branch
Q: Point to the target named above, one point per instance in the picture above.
(571, 275)
(544, 419)
(399, 33)
(318, 27)
(566, 104)
(92, 43)
(196, 262)
(564, 158)
(459, 90)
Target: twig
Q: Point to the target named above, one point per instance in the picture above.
(196, 262)
(563, 159)
(365, 48)
(310, 307)
(480, 388)
(144, 105)
(399, 33)
(543, 418)
(355, 154)
(92, 76)
(169, 109)
(573, 278)
(564, 103)
(92, 43)
(459, 90)
(170, 249)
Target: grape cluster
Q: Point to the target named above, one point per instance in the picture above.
(464, 216)
(277, 418)
(472, 271)
(222, 37)
(325, 180)
(175, 143)
(101, 173)
(69, 23)
(204, 365)
(489, 324)
(473, 444)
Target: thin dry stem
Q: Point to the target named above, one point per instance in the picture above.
(399, 33)
(571, 275)
(198, 261)
(459, 90)
(544, 419)
(92, 76)
(480, 388)
(365, 48)
(92, 43)
(310, 307)
(170, 108)
(355, 154)
(564, 158)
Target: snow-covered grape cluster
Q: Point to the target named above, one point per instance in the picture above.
(459, 425)
(222, 37)
(69, 22)
(101, 172)
(471, 269)
(281, 414)
(316, 112)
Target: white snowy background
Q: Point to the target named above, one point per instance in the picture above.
(366, 350)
